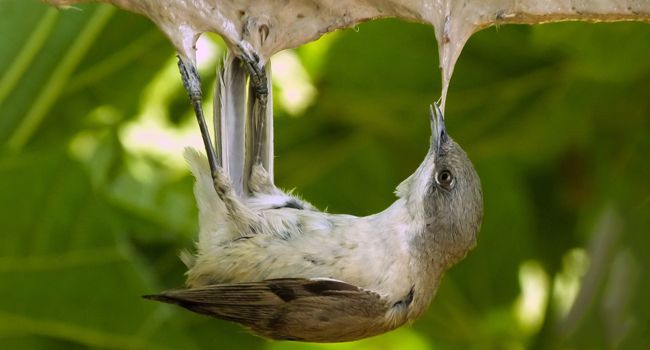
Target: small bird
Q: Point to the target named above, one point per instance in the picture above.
(285, 270)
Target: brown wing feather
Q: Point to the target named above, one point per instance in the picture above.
(290, 309)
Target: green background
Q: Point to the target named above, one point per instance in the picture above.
(556, 119)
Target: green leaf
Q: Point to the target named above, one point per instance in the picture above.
(70, 272)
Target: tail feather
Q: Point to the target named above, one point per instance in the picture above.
(229, 120)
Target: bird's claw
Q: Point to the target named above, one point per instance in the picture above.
(256, 70)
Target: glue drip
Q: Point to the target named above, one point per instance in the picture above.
(455, 21)
(291, 24)
(452, 31)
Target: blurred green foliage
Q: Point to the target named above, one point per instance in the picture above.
(556, 119)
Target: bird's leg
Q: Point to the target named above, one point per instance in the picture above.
(192, 84)
(260, 121)
(259, 144)
(240, 215)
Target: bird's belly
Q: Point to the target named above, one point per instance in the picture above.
(260, 258)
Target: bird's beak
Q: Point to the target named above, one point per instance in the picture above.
(438, 131)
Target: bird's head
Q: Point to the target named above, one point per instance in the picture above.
(444, 195)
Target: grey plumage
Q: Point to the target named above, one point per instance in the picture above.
(285, 270)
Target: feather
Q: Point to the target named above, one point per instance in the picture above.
(229, 119)
(317, 310)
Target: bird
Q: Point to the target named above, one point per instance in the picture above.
(285, 270)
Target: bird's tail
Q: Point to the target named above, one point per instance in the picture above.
(230, 121)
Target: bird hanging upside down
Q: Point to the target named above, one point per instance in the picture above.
(275, 264)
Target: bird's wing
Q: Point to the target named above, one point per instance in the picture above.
(317, 310)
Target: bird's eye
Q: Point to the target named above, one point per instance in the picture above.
(445, 179)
